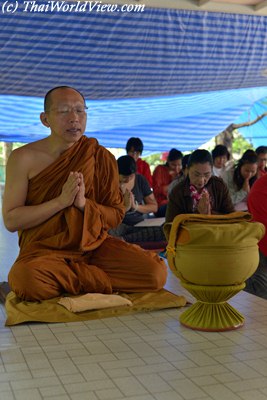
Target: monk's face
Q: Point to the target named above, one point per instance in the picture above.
(66, 116)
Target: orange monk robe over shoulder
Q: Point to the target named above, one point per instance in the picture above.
(72, 252)
(71, 229)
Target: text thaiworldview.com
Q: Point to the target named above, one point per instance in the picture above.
(52, 6)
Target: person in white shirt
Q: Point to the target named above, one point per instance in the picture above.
(220, 156)
(241, 178)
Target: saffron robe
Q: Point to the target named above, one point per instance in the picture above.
(72, 252)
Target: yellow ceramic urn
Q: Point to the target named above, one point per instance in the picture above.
(213, 255)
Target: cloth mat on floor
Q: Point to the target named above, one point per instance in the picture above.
(19, 311)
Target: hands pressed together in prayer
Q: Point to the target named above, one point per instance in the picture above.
(246, 186)
(73, 191)
(204, 204)
(129, 200)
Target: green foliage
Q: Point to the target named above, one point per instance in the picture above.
(240, 145)
(153, 160)
(3, 157)
(1, 153)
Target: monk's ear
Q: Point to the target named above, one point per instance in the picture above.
(44, 120)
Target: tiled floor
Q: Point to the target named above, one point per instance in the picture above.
(138, 357)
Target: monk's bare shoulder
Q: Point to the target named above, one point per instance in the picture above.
(27, 152)
(30, 148)
(32, 158)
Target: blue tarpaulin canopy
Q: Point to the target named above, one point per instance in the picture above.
(175, 78)
(256, 134)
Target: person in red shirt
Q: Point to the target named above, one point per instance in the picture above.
(134, 148)
(257, 206)
(163, 176)
(261, 152)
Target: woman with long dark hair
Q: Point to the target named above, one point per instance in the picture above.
(241, 178)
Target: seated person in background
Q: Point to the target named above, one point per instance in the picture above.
(257, 206)
(185, 160)
(240, 179)
(163, 176)
(182, 176)
(200, 192)
(261, 152)
(139, 201)
(134, 148)
(220, 156)
(62, 194)
(248, 152)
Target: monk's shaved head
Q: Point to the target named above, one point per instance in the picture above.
(49, 95)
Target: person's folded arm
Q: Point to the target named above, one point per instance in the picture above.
(150, 205)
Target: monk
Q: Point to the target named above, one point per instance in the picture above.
(62, 196)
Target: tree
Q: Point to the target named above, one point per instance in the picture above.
(6, 150)
(227, 138)
(153, 160)
(239, 145)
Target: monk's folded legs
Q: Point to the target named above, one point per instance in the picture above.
(129, 267)
(50, 276)
(114, 266)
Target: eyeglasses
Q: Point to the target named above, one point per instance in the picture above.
(80, 110)
(198, 175)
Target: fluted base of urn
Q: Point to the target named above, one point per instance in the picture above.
(211, 312)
